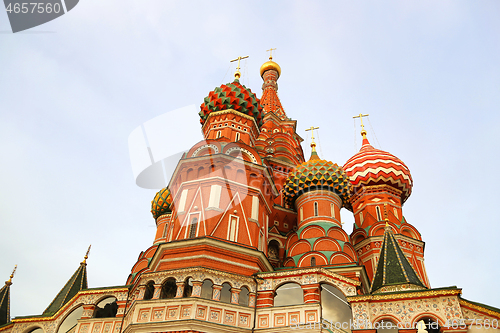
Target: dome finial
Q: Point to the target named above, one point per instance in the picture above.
(84, 262)
(9, 282)
(313, 144)
(270, 53)
(363, 131)
(237, 74)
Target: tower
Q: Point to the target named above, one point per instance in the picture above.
(381, 184)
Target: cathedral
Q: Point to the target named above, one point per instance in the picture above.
(249, 238)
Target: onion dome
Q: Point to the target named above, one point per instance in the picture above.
(161, 203)
(270, 65)
(232, 96)
(317, 174)
(372, 166)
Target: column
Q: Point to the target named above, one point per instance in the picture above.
(180, 290)
(142, 290)
(265, 299)
(121, 308)
(311, 293)
(88, 311)
(252, 297)
(196, 289)
(235, 295)
(216, 292)
(157, 292)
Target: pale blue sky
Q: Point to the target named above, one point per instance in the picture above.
(73, 90)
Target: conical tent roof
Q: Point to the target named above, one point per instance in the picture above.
(76, 283)
(393, 267)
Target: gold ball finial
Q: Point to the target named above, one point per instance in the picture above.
(9, 282)
(84, 262)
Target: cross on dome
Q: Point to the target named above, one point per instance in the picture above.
(237, 74)
(313, 144)
(360, 116)
(271, 53)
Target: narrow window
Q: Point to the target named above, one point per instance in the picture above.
(218, 135)
(315, 209)
(361, 218)
(237, 137)
(192, 227)
(150, 290)
(379, 216)
(313, 261)
(332, 208)
(243, 300)
(232, 232)
(396, 213)
(301, 213)
(182, 201)
(206, 289)
(225, 293)
(255, 208)
(188, 287)
(215, 192)
(169, 288)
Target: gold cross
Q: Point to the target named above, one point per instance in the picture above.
(270, 53)
(312, 128)
(237, 74)
(360, 116)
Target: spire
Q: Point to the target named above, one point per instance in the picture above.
(393, 267)
(77, 282)
(5, 300)
(270, 72)
(314, 154)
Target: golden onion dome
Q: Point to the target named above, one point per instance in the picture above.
(270, 65)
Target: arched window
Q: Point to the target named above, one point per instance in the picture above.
(206, 289)
(107, 308)
(244, 296)
(188, 287)
(289, 294)
(315, 208)
(150, 290)
(386, 326)
(313, 261)
(379, 216)
(192, 227)
(169, 288)
(428, 325)
(225, 293)
(273, 249)
(71, 320)
(334, 305)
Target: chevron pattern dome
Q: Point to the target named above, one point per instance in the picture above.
(372, 166)
(317, 174)
(161, 203)
(232, 96)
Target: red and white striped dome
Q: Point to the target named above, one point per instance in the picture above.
(372, 166)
